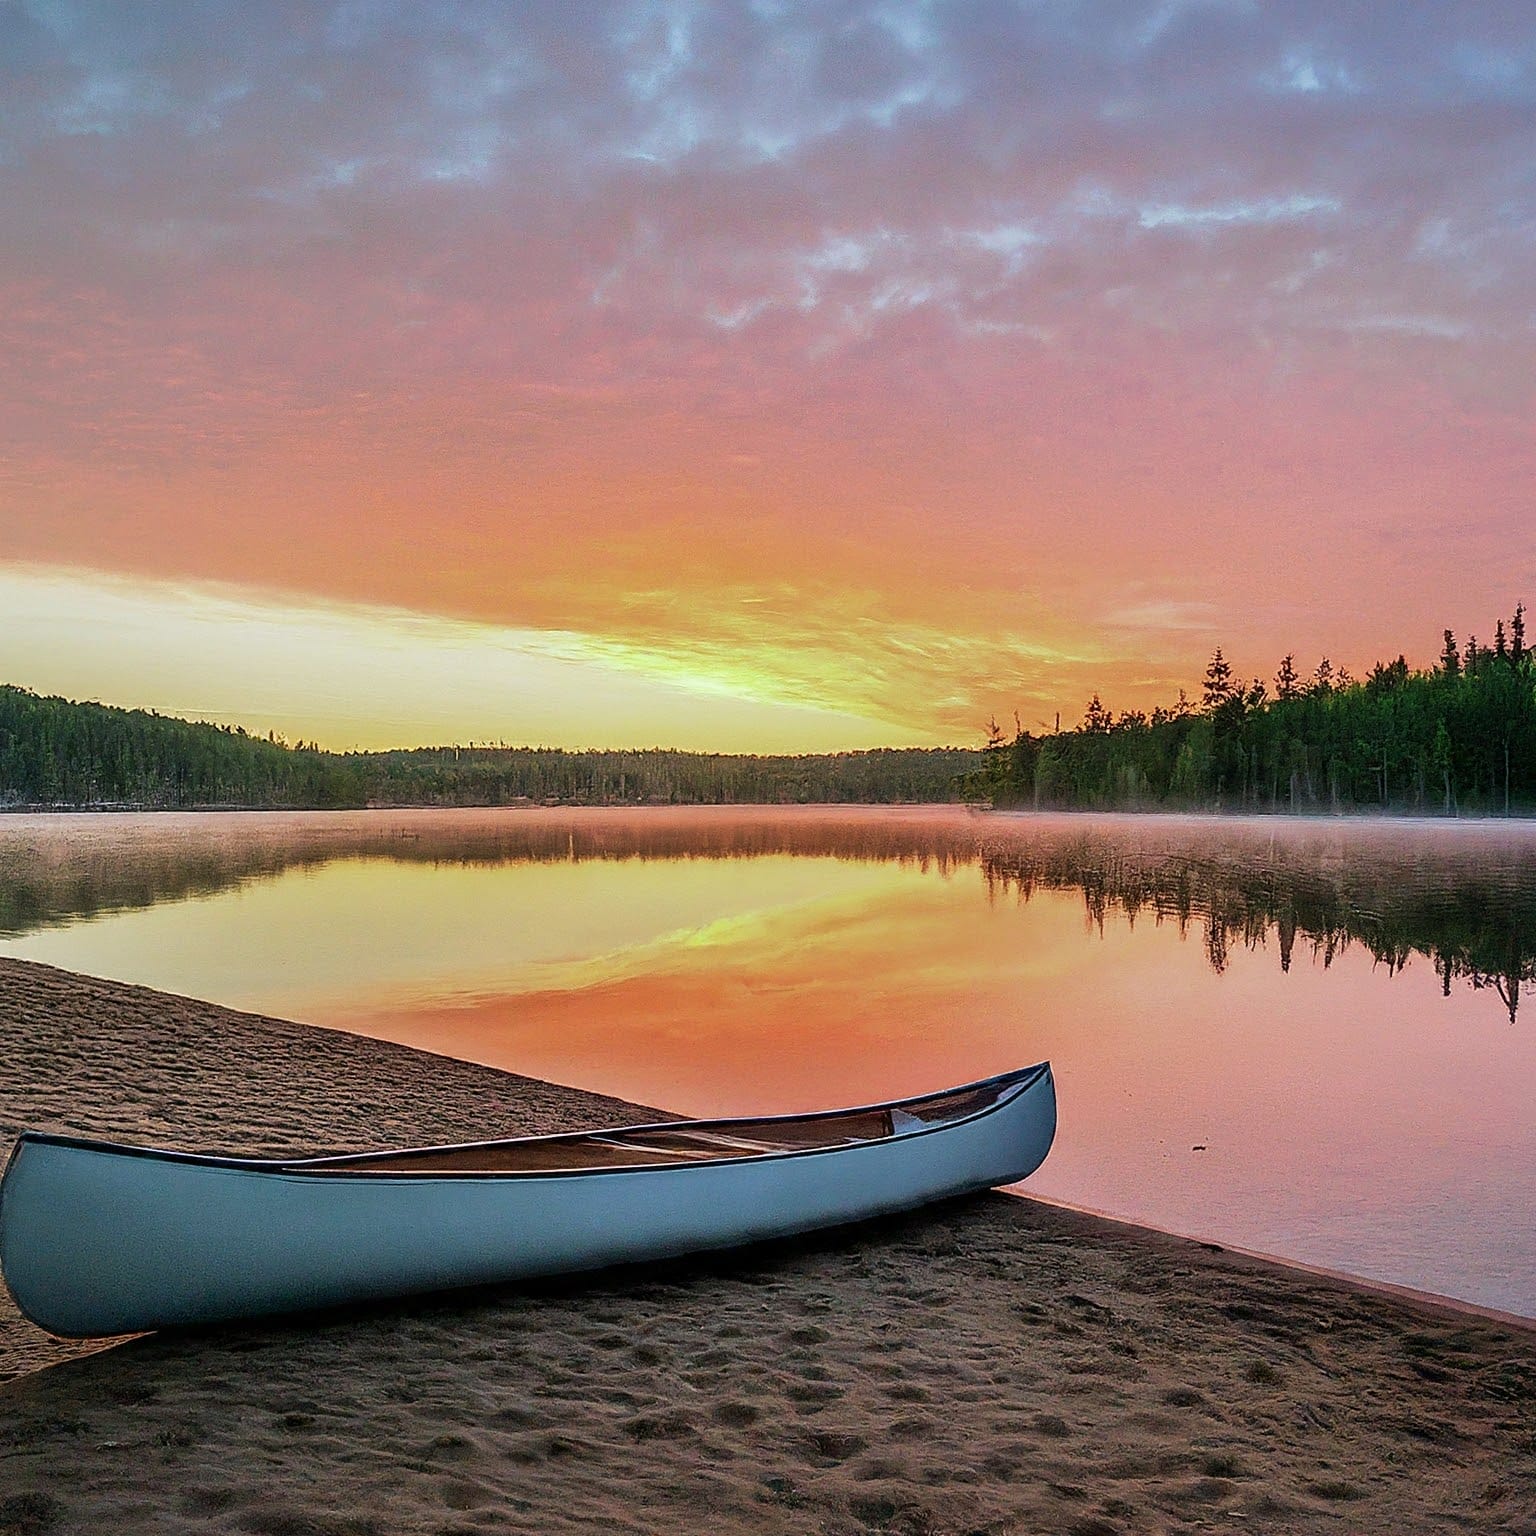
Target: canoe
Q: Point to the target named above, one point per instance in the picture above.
(99, 1239)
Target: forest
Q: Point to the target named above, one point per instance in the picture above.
(54, 752)
(1456, 738)
(661, 776)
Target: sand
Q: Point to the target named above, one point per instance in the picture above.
(992, 1365)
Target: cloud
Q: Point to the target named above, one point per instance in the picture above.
(989, 311)
(351, 676)
(1165, 614)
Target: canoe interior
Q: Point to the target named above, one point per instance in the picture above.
(686, 1142)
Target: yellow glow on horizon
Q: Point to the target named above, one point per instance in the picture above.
(766, 667)
(839, 648)
(350, 676)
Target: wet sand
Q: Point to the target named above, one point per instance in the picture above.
(993, 1365)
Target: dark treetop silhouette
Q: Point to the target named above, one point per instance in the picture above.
(54, 752)
(1458, 737)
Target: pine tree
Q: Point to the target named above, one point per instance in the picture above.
(1287, 679)
(1450, 658)
(1097, 718)
(1218, 682)
(1500, 644)
(1322, 679)
(1517, 634)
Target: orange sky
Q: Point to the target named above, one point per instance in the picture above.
(839, 377)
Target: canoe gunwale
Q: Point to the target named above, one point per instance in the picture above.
(334, 1166)
(216, 1239)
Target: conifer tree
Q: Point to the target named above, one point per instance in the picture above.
(1287, 679)
(1450, 657)
(1218, 682)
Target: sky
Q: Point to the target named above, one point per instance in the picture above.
(754, 376)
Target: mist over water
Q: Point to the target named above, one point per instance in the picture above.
(1307, 1037)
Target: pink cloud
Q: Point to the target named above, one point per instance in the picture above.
(1010, 319)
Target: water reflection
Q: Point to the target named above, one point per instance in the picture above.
(1466, 900)
(1249, 1039)
(58, 868)
(1462, 896)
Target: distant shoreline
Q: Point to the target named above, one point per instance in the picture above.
(1388, 816)
(1303, 754)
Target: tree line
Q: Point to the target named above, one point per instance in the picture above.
(663, 776)
(1456, 737)
(55, 752)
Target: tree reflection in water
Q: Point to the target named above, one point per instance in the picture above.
(1461, 895)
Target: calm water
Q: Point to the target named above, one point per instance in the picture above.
(1301, 1037)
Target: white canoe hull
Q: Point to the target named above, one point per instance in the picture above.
(99, 1240)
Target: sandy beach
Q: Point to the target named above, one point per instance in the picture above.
(994, 1365)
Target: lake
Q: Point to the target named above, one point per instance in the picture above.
(1300, 1037)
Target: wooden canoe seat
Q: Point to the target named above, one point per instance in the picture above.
(623, 1149)
(662, 1145)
